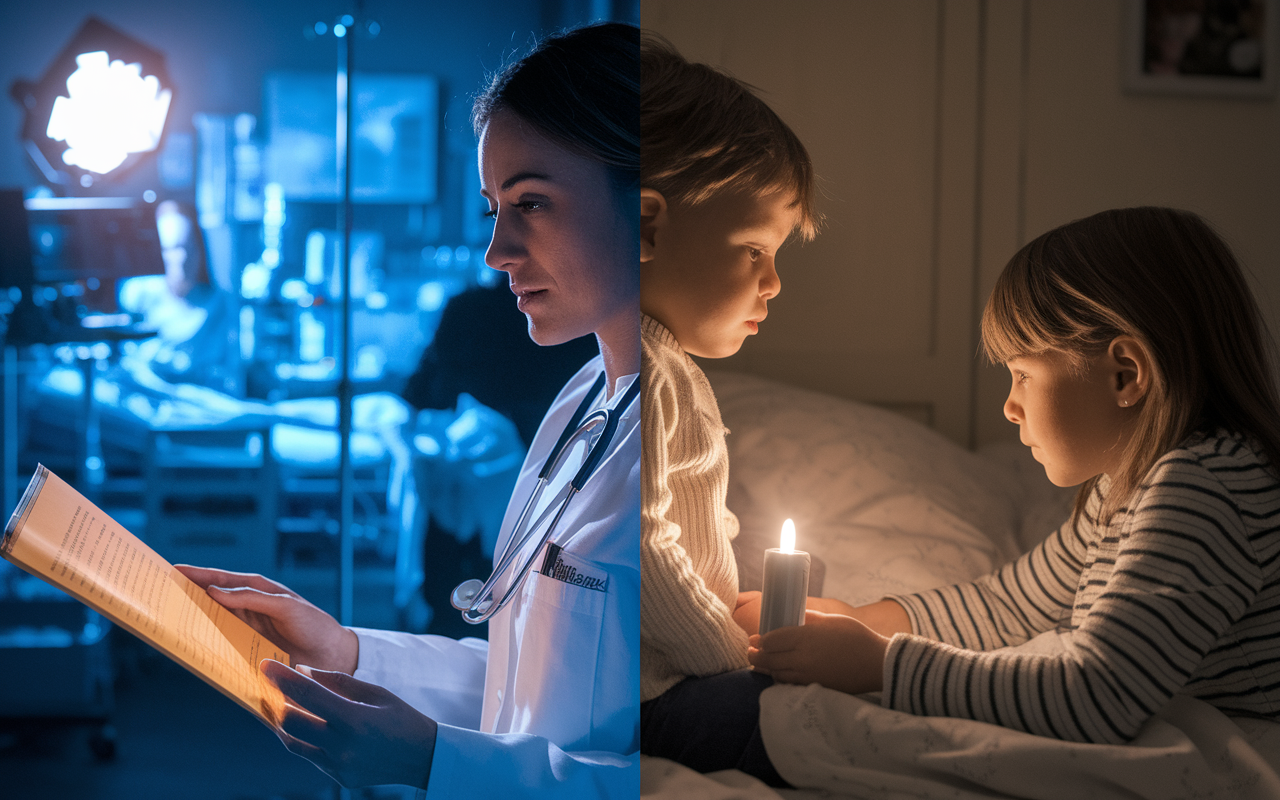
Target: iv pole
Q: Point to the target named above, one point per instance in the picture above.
(346, 545)
(344, 31)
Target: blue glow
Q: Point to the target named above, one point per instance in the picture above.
(293, 288)
(339, 30)
(370, 361)
(310, 337)
(247, 341)
(427, 445)
(255, 281)
(431, 296)
(321, 28)
(313, 264)
(347, 20)
(149, 196)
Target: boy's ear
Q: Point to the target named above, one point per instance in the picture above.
(653, 216)
(1130, 364)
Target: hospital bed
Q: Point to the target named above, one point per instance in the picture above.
(886, 505)
(231, 482)
(252, 486)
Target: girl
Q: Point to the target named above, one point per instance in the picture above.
(547, 707)
(1141, 370)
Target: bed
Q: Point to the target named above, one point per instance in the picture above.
(887, 505)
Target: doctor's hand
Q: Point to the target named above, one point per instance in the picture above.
(308, 634)
(836, 651)
(357, 733)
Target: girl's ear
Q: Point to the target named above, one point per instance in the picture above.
(653, 216)
(1130, 365)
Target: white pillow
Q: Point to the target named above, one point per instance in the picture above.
(885, 503)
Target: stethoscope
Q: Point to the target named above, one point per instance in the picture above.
(474, 598)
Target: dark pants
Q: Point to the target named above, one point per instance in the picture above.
(710, 724)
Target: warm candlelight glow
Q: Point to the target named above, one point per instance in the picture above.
(785, 583)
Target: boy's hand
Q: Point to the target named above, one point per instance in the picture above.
(747, 612)
(836, 651)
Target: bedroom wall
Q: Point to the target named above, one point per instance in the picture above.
(947, 134)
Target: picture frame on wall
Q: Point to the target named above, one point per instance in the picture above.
(1225, 48)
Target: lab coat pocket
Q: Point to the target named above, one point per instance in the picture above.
(559, 628)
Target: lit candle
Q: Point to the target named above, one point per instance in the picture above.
(786, 583)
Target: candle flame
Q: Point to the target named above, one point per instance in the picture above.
(788, 536)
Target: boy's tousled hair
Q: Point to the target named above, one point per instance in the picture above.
(581, 89)
(1164, 277)
(703, 132)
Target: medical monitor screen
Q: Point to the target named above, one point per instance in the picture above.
(93, 241)
(15, 244)
(394, 145)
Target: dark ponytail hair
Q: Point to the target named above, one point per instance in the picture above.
(580, 89)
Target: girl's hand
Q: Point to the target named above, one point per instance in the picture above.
(358, 733)
(830, 605)
(836, 651)
(309, 635)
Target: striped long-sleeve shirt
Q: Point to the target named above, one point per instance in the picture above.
(1179, 592)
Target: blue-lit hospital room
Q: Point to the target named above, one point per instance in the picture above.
(249, 319)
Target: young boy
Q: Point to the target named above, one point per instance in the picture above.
(724, 183)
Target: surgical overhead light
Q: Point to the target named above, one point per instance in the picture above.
(112, 111)
(98, 109)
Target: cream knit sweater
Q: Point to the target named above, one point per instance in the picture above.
(688, 578)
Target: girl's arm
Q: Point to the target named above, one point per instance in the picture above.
(1184, 572)
(1022, 599)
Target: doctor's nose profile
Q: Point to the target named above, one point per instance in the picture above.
(558, 159)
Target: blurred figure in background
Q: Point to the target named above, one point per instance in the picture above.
(196, 322)
(482, 349)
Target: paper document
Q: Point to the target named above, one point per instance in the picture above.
(58, 535)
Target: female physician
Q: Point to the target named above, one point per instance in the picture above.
(548, 706)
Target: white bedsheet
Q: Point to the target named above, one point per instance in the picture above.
(830, 744)
(850, 746)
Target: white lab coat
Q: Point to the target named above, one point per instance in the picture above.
(549, 706)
